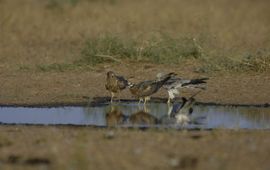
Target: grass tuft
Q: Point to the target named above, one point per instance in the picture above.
(257, 62)
(170, 50)
(165, 50)
(96, 48)
(161, 50)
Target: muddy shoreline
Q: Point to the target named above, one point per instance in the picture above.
(100, 101)
(77, 87)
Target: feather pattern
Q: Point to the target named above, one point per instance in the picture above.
(115, 83)
(174, 84)
(145, 89)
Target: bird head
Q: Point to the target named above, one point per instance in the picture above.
(110, 74)
(161, 76)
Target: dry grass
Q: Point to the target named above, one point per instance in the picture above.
(37, 33)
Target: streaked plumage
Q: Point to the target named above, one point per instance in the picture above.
(145, 89)
(115, 83)
(174, 84)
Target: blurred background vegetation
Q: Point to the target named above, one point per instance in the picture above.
(59, 35)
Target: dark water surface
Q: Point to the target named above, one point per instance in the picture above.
(129, 114)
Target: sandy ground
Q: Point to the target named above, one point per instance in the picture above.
(41, 147)
(71, 87)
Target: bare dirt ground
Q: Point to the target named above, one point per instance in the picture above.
(41, 147)
(26, 87)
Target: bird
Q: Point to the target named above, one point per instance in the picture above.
(175, 83)
(143, 90)
(182, 112)
(115, 83)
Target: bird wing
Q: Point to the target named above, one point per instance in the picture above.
(175, 108)
(149, 87)
(195, 82)
(146, 88)
(174, 82)
(186, 107)
(185, 83)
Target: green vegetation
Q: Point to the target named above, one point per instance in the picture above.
(96, 49)
(161, 50)
(165, 50)
(168, 50)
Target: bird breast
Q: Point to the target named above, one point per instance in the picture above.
(134, 91)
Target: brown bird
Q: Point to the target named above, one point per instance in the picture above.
(145, 89)
(115, 83)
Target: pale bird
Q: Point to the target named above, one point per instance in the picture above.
(145, 89)
(174, 84)
(182, 112)
(115, 84)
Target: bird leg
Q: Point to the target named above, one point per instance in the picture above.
(169, 100)
(112, 96)
(146, 99)
(140, 100)
(145, 109)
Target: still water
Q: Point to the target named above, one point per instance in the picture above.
(129, 114)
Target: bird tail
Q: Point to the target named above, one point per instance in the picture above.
(196, 81)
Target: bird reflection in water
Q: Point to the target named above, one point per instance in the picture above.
(143, 117)
(182, 113)
(115, 116)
